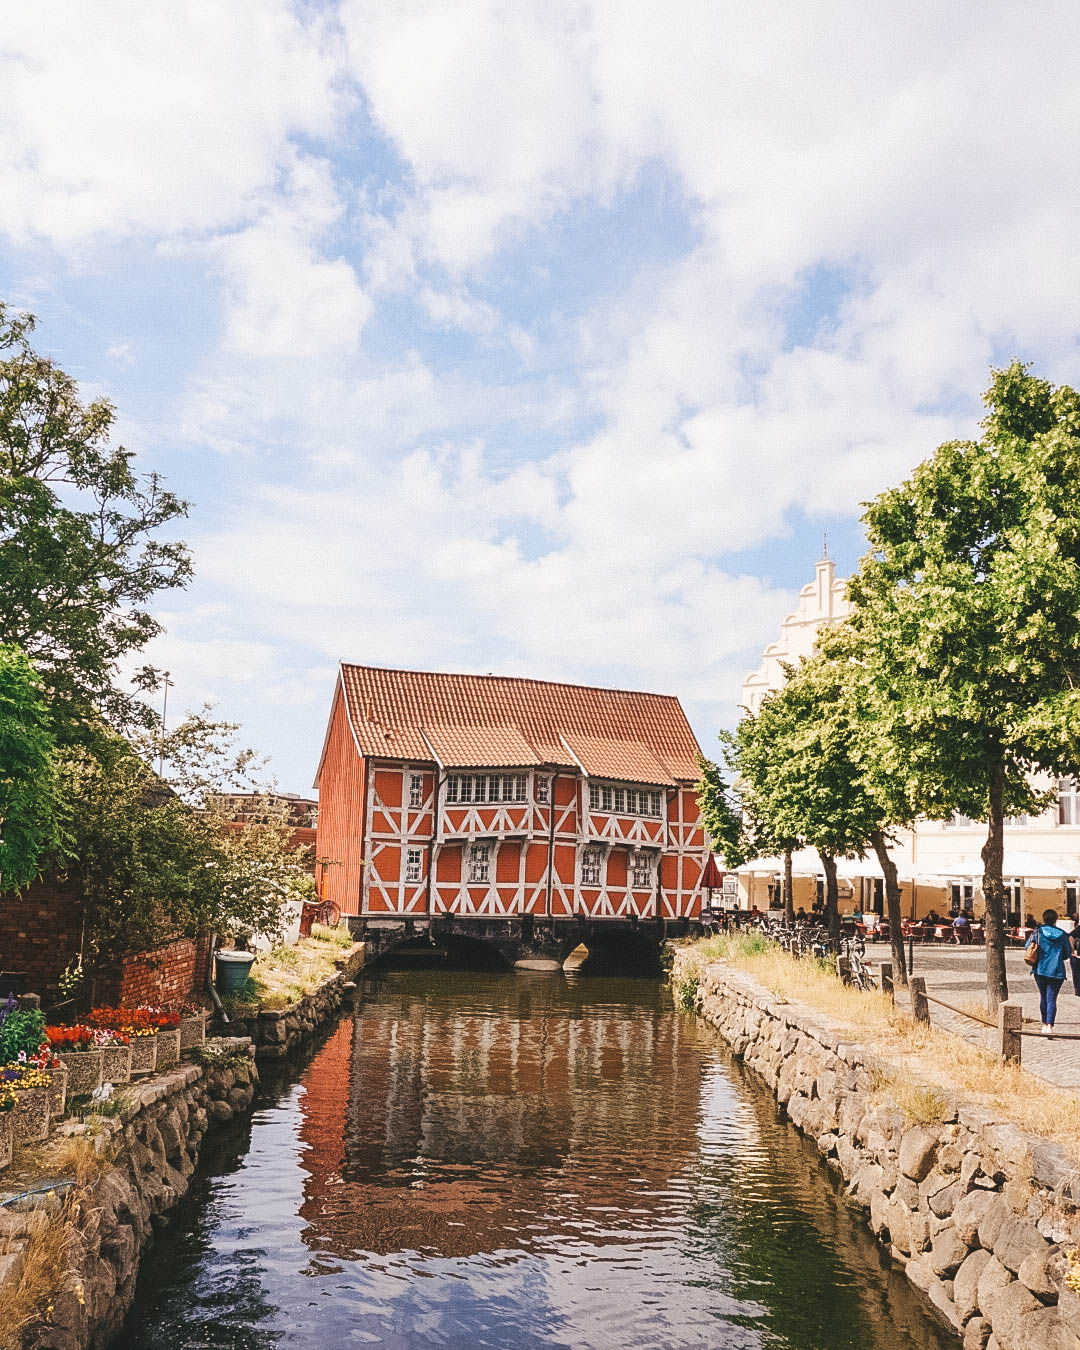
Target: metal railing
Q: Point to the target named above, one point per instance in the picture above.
(1009, 1023)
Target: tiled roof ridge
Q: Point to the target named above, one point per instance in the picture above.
(518, 679)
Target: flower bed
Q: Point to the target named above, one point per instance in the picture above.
(80, 1051)
(116, 1059)
(30, 1113)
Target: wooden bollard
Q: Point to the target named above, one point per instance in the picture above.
(1010, 1021)
(920, 1006)
(886, 979)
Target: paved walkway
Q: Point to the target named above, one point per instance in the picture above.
(959, 975)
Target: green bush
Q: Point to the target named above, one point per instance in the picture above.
(21, 1033)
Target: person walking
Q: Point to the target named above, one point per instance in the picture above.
(1046, 951)
(1074, 958)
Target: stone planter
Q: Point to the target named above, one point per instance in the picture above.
(192, 1031)
(7, 1139)
(58, 1091)
(168, 1047)
(30, 1118)
(117, 1064)
(144, 1053)
(84, 1071)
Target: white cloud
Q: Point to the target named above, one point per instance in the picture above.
(130, 118)
(557, 489)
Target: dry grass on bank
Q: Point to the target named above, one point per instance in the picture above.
(927, 1066)
(284, 974)
(27, 1299)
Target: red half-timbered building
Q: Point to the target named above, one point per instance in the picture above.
(481, 796)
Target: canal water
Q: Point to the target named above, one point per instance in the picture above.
(516, 1162)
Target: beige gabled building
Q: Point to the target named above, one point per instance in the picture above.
(938, 861)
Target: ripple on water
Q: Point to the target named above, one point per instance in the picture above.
(488, 1161)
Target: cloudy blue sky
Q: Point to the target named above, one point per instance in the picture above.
(541, 338)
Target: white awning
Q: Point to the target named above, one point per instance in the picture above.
(1017, 862)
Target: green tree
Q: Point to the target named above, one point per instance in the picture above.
(155, 857)
(968, 611)
(82, 546)
(31, 812)
(795, 756)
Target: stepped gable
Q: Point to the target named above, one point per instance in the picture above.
(465, 721)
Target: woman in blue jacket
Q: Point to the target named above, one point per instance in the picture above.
(1049, 969)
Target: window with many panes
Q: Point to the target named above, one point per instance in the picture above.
(479, 862)
(641, 872)
(416, 790)
(624, 801)
(414, 864)
(591, 861)
(543, 791)
(1068, 802)
(959, 821)
(486, 788)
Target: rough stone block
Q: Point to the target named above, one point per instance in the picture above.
(966, 1284)
(969, 1213)
(1042, 1330)
(947, 1252)
(1018, 1239)
(1007, 1310)
(976, 1334)
(992, 1281)
(917, 1150)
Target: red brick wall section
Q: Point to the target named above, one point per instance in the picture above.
(39, 933)
(39, 937)
(164, 975)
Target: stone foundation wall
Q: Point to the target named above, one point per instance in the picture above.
(275, 1033)
(152, 1147)
(983, 1217)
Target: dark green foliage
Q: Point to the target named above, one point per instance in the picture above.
(31, 811)
(21, 1033)
(82, 551)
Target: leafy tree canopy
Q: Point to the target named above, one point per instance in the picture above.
(154, 856)
(968, 611)
(82, 550)
(31, 812)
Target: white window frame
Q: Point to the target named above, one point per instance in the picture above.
(641, 871)
(594, 796)
(1068, 802)
(521, 787)
(416, 791)
(453, 784)
(479, 864)
(414, 865)
(592, 863)
(543, 790)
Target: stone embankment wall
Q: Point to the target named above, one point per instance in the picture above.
(982, 1216)
(151, 1148)
(275, 1033)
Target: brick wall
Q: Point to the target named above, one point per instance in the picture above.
(39, 938)
(39, 933)
(164, 975)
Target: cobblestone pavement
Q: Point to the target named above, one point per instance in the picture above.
(959, 975)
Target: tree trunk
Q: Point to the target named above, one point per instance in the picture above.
(892, 907)
(993, 853)
(832, 899)
(789, 890)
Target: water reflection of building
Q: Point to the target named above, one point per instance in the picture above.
(474, 1129)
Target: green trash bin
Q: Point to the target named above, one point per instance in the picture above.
(231, 970)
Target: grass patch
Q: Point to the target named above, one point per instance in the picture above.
(282, 976)
(927, 1067)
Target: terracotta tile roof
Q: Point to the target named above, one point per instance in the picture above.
(480, 747)
(396, 713)
(626, 760)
